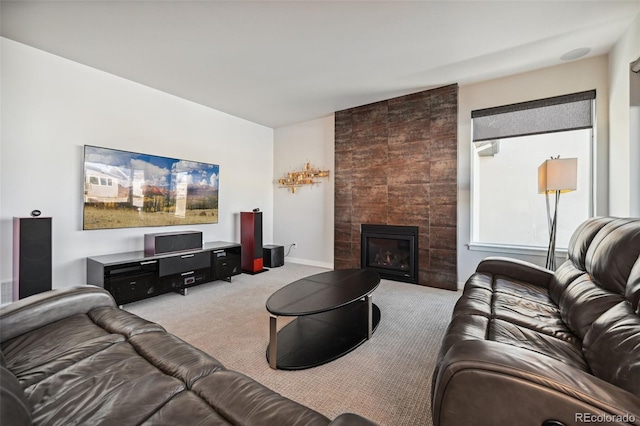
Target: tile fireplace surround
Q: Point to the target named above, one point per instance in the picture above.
(396, 164)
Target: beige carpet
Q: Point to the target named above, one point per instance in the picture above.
(387, 379)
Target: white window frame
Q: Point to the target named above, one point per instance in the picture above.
(527, 249)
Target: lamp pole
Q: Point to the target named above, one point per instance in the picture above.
(556, 176)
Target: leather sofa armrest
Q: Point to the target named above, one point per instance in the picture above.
(350, 419)
(517, 269)
(41, 309)
(508, 384)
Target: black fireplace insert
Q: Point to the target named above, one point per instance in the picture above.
(391, 251)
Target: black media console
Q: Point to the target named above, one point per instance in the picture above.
(135, 275)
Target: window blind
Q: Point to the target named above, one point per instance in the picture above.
(557, 114)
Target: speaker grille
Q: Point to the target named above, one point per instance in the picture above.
(172, 242)
(32, 253)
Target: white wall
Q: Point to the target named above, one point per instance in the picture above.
(305, 217)
(567, 78)
(52, 106)
(623, 150)
(634, 144)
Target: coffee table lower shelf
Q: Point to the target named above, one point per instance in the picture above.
(312, 340)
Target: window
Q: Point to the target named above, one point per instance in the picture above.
(509, 143)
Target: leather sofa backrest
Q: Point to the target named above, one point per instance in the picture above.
(611, 347)
(602, 253)
(633, 287)
(582, 238)
(575, 265)
(612, 254)
(601, 305)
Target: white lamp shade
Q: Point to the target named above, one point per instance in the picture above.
(558, 174)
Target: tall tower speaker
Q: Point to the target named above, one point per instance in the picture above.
(32, 256)
(251, 240)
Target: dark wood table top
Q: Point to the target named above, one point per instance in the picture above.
(322, 292)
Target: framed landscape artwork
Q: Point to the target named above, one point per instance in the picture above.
(127, 189)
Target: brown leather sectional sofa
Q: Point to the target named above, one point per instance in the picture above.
(71, 357)
(526, 346)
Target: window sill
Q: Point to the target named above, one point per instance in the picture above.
(513, 249)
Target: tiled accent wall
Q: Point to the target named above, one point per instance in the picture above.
(396, 164)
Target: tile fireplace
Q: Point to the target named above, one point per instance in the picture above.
(391, 251)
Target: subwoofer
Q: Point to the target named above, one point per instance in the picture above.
(171, 242)
(251, 240)
(32, 256)
(273, 256)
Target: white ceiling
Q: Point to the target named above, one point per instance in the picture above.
(279, 63)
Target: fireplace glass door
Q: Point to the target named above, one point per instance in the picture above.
(391, 251)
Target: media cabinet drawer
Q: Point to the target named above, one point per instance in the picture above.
(186, 279)
(131, 268)
(183, 263)
(129, 288)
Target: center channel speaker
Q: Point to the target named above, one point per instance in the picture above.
(171, 242)
(251, 240)
(32, 256)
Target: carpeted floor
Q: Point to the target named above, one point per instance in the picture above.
(387, 379)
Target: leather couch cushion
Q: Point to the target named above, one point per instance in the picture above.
(612, 347)
(14, 407)
(464, 327)
(116, 320)
(173, 413)
(562, 278)
(633, 287)
(568, 352)
(582, 237)
(613, 253)
(39, 354)
(243, 401)
(175, 357)
(583, 302)
(514, 313)
(115, 384)
(539, 317)
(521, 290)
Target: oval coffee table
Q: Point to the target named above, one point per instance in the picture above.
(335, 315)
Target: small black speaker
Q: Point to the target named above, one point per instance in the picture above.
(273, 256)
(171, 242)
(32, 256)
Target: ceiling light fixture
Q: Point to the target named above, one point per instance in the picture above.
(575, 54)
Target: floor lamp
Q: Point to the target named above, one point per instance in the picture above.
(556, 176)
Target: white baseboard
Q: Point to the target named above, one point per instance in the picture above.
(309, 262)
